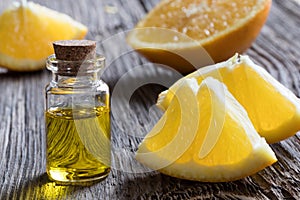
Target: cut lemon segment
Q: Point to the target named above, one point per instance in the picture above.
(205, 135)
(27, 32)
(222, 28)
(273, 109)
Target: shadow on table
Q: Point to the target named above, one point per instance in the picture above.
(41, 187)
(133, 188)
(160, 186)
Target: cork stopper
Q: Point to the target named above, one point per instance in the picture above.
(72, 54)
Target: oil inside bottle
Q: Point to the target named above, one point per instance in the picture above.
(78, 144)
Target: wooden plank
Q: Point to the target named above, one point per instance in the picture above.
(22, 137)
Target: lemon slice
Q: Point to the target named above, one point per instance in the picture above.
(27, 32)
(205, 135)
(273, 109)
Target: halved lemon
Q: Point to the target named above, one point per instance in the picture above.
(187, 34)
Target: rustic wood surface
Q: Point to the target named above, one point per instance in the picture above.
(22, 135)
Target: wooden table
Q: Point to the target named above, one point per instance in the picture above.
(22, 135)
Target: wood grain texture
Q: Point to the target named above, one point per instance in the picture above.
(133, 82)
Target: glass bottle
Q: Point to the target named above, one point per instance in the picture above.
(77, 121)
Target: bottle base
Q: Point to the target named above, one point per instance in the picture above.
(77, 177)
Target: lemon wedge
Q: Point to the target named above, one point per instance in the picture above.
(27, 32)
(205, 135)
(273, 109)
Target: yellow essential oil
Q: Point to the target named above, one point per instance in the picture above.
(78, 143)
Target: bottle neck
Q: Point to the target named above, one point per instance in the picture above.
(74, 74)
(75, 81)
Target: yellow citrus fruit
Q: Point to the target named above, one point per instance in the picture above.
(222, 28)
(205, 135)
(273, 109)
(27, 32)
